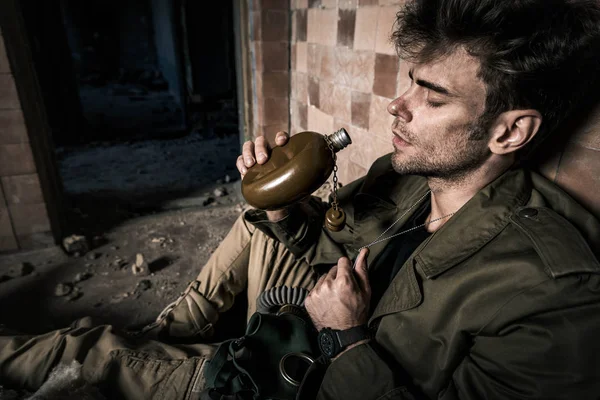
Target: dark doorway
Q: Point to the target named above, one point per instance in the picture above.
(141, 102)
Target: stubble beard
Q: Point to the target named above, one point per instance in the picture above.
(451, 162)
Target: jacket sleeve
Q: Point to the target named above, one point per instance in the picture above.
(302, 231)
(546, 355)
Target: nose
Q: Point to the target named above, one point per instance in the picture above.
(398, 108)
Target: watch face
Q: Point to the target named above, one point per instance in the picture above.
(326, 343)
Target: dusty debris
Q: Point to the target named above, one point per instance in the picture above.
(20, 269)
(140, 267)
(63, 289)
(82, 276)
(144, 284)
(115, 248)
(76, 245)
(93, 256)
(75, 294)
(220, 192)
(208, 201)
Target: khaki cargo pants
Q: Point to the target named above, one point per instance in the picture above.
(149, 369)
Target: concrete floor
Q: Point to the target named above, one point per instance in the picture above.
(175, 244)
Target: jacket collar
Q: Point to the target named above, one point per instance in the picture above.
(385, 197)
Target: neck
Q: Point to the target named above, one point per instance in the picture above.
(449, 195)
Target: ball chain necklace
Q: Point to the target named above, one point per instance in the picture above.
(379, 238)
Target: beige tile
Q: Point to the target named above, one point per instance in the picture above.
(343, 66)
(363, 70)
(313, 30)
(314, 59)
(328, 65)
(367, 3)
(360, 109)
(385, 25)
(328, 19)
(4, 63)
(9, 98)
(380, 121)
(403, 79)
(347, 4)
(355, 171)
(389, 2)
(12, 127)
(16, 159)
(326, 99)
(318, 121)
(302, 88)
(301, 56)
(342, 101)
(29, 218)
(366, 28)
(329, 3)
(22, 189)
(302, 3)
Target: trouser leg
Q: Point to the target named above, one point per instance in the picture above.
(121, 368)
(245, 259)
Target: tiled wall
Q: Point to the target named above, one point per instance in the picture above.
(344, 74)
(23, 217)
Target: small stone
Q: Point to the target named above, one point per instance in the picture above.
(158, 240)
(76, 244)
(75, 294)
(227, 179)
(20, 269)
(93, 256)
(220, 192)
(82, 276)
(208, 201)
(144, 284)
(114, 248)
(63, 289)
(136, 270)
(182, 223)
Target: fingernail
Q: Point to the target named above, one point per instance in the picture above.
(244, 170)
(261, 157)
(249, 160)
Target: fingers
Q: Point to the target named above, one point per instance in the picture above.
(261, 149)
(240, 166)
(362, 270)
(281, 138)
(248, 154)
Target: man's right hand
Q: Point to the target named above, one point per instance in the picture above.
(259, 151)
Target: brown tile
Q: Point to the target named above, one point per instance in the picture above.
(301, 57)
(29, 218)
(314, 3)
(386, 75)
(342, 103)
(318, 121)
(385, 25)
(299, 115)
(12, 127)
(363, 70)
(274, 25)
(302, 3)
(366, 3)
(380, 121)
(302, 116)
(365, 31)
(275, 111)
(300, 18)
(22, 189)
(276, 84)
(578, 175)
(293, 59)
(256, 49)
(347, 4)
(9, 98)
(360, 109)
(343, 66)
(16, 159)
(255, 33)
(326, 99)
(275, 56)
(328, 69)
(314, 59)
(274, 5)
(270, 131)
(313, 91)
(4, 64)
(346, 22)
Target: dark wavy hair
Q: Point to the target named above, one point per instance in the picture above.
(540, 54)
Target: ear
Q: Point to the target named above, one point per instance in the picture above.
(513, 129)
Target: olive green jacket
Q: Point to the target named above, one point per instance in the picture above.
(502, 302)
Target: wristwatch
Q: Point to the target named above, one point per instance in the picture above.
(332, 341)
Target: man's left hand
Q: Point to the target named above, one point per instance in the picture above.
(341, 298)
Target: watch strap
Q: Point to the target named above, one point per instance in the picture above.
(352, 335)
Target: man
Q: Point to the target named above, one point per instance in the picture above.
(481, 279)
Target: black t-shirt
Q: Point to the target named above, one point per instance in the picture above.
(396, 252)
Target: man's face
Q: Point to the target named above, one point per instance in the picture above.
(436, 118)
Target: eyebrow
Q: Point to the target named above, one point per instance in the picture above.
(431, 86)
